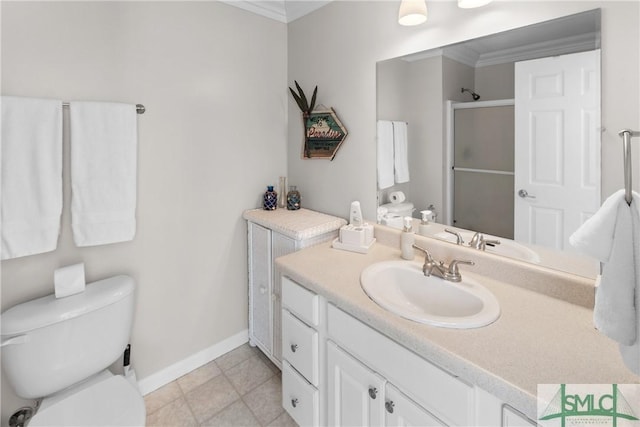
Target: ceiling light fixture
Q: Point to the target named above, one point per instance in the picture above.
(412, 12)
(470, 4)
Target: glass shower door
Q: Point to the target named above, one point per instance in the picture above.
(483, 169)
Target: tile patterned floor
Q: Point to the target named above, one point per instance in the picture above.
(241, 388)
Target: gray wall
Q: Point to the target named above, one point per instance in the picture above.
(495, 81)
(213, 79)
(425, 84)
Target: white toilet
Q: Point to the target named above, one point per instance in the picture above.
(58, 350)
(395, 212)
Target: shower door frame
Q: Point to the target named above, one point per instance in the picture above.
(450, 107)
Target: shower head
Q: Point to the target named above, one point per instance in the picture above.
(473, 94)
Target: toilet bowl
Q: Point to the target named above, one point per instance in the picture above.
(395, 212)
(92, 404)
(57, 350)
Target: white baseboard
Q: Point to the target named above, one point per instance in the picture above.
(178, 369)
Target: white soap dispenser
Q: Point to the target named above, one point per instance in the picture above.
(423, 228)
(407, 239)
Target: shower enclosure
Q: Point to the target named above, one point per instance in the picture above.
(480, 185)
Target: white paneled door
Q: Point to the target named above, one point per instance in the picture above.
(557, 147)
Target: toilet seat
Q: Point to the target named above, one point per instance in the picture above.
(111, 401)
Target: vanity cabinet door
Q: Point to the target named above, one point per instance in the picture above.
(514, 418)
(355, 393)
(401, 411)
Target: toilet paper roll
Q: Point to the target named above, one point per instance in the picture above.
(396, 197)
(69, 280)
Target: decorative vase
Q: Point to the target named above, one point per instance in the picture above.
(270, 202)
(282, 192)
(293, 199)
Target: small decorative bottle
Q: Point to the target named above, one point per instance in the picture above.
(407, 239)
(293, 199)
(270, 202)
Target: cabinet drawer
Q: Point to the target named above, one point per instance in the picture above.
(300, 346)
(299, 398)
(301, 302)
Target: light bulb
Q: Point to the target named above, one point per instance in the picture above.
(412, 12)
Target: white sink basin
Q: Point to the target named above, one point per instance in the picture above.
(402, 288)
(507, 247)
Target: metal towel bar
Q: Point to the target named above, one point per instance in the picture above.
(140, 109)
(626, 135)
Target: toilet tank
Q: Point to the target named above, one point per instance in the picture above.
(49, 344)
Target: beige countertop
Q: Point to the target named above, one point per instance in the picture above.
(299, 224)
(538, 339)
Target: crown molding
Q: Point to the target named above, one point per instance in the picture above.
(470, 57)
(579, 43)
(278, 10)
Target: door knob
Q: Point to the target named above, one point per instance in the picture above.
(523, 193)
(389, 405)
(373, 392)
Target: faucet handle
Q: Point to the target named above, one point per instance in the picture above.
(427, 254)
(459, 240)
(490, 243)
(453, 274)
(477, 240)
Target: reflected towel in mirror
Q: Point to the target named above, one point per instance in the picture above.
(385, 154)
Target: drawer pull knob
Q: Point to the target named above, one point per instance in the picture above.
(294, 347)
(373, 392)
(389, 406)
(263, 290)
(294, 402)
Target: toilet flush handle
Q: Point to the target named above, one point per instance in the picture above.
(19, 339)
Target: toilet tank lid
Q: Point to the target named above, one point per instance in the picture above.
(49, 310)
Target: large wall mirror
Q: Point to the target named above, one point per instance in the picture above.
(501, 136)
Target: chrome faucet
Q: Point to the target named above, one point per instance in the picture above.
(439, 269)
(479, 242)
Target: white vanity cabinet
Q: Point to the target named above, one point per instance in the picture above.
(272, 234)
(437, 397)
(359, 396)
(301, 353)
(513, 418)
(338, 371)
(356, 393)
(401, 411)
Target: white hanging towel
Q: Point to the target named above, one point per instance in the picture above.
(401, 152)
(103, 172)
(385, 154)
(612, 235)
(31, 160)
(631, 353)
